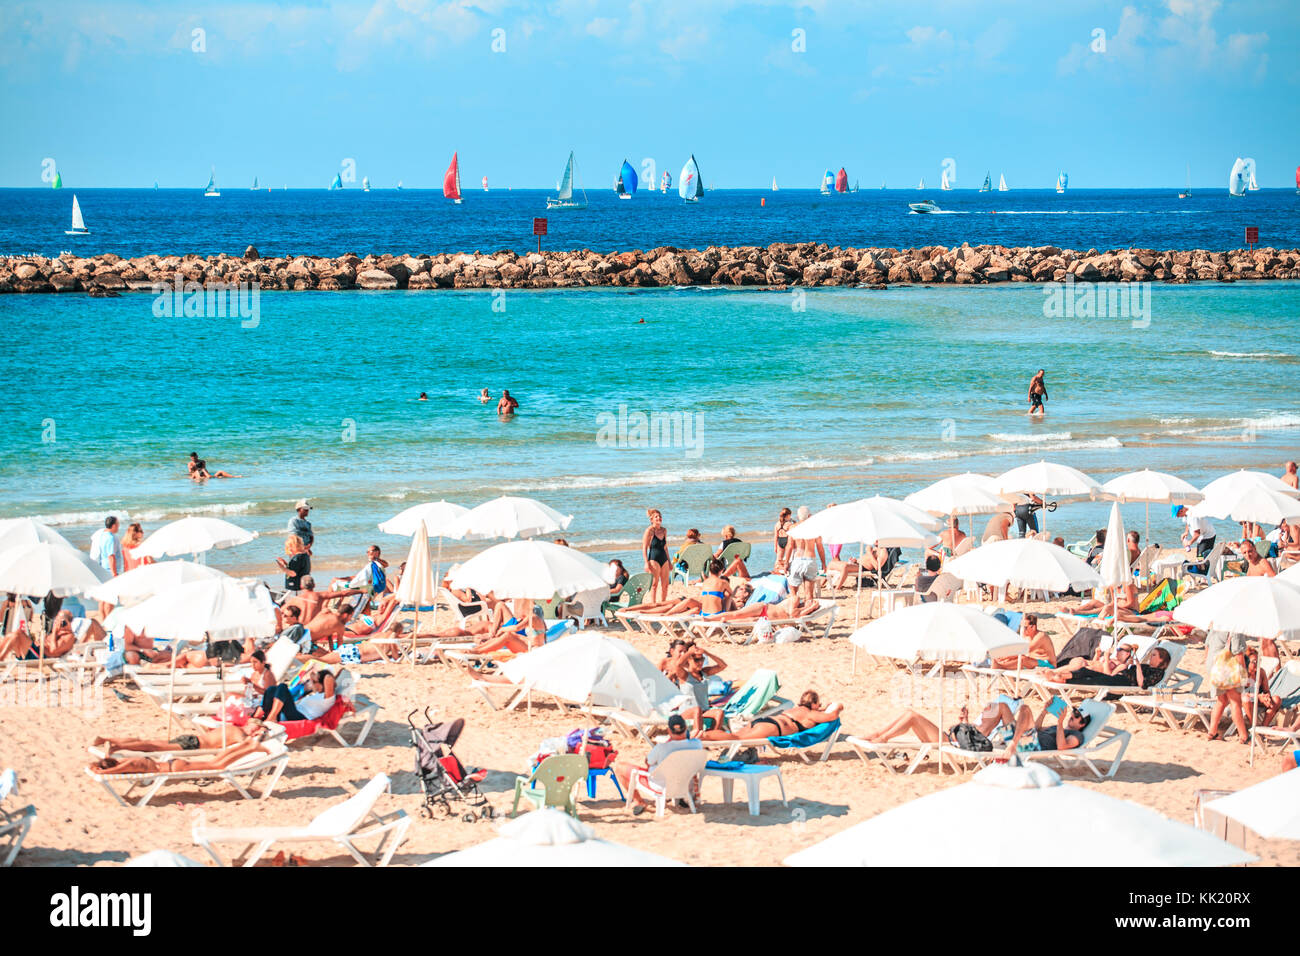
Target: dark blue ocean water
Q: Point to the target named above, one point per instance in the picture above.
(318, 222)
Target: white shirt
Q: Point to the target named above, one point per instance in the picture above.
(660, 751)
(1203, 525)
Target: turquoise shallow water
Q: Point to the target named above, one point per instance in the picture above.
(861, 392)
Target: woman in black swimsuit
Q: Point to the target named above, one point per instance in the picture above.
(804, 717)
(654, 544)
(781, 535)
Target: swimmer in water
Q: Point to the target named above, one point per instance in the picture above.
(201, 473)
(484, 397)
(1037, 393)
(424, 397)
(507, 404)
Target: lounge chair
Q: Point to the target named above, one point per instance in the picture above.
(1098, 738)
(633, 593)
(741, 632)
(737, 549)
(342, 824)
(671, 780)
(1174, 680)
(914, 751)
(821, 736)
(14, 824)
(1285, 683)
(553, 783)
(250, 767)
(755, 698)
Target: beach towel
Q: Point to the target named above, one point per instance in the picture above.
(293, 729)
(735, 765)
(1164, 598)
(806, 738)
(1084, 644)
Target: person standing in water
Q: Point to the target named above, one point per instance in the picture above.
(1037, 393)
(507, 404)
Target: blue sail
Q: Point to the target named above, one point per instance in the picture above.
(689, 186)
(627, 177)
(338, 182)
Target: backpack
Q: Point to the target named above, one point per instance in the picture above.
(968, 737)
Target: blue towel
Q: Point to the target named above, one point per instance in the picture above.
(736, 766)
(718, 687)
(807, 738)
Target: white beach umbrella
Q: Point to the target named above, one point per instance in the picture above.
(48, 568)
(1046, 478)
(1255, 607)
(1149, 487)
(508, 517)
(592, 668)
(938, 631)
(1245, 479)
(1026, 563)
(161, 858)
(220, 609)
(967, 494)
(439, 519)
(547, 838)
(21, 532)
(1271, 808)
(999, 818)
(193, 535)
(140, 583)
(417, 586)
(1114, 564)
(1243, 501)
(530, 569)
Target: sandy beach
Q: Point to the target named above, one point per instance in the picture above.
(80, 824)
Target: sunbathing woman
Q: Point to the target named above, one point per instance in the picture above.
(1134, 675)
(368, 652)
(792, 721)
(369, 623)
(998, 712)
(872, 560)
(217, 761)
(1127, 607)
(792, 608)
(515, 627)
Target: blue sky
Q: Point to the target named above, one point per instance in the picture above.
(116, 93)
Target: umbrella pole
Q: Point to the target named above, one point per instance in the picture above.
(171, 688)
(1254, 705)
(941, 718)
(437, 582)
(415, 632)
(221, 678)
(857, 607)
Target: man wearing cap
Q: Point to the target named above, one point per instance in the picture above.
(1200, 533)
(678, 739)
(300, 526)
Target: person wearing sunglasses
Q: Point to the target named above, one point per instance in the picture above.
(1031, 738)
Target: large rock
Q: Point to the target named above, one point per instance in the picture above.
(376, 279)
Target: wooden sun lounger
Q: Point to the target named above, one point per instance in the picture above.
(250, 767)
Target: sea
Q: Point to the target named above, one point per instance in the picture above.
(717, 406)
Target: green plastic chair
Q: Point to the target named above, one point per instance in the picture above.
(633, 592)
(696, 557)
(552, 784)
(739, 549)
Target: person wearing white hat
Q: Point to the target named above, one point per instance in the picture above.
(300, 526)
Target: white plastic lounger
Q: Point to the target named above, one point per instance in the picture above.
(806, 625)
(1182, 712)
(342, 824)
(1174, 680)
(1098, 738)
(249, 767)
(14, 824)
(733, 747)
(915, 752)
(364, 709)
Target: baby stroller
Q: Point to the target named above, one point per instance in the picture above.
(444, 778)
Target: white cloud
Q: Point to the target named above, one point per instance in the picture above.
(602, 26)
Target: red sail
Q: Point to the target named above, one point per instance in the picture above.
(841, 181)
(451, 181)
(1297, 177)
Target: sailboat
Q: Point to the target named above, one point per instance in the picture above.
(627, 182)
(1252, 186)
(1062, 182)
(944, 182)
(988, 184)
(855, 186)
(78, 224)
(564, 198)
(828, 181)
(365, 184)
(775, 187)
(451, 180)
(1187, 190)
(338, 181)
(399, 185)
(212, 184)
(921, 184)
(485, 185)
(691, 185)
(1239, 178)
(254, 186)
(58, 180)
(1002, 183)
(666, 183)
(882, 185)
(841, 181)
(155, 185)
(1297, 180)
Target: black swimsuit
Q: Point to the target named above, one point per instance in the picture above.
(658, 548)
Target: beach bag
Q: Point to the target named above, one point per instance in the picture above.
(968, 737)
(599, 751)
(1227, 672)
(762, 632)
(787, 635)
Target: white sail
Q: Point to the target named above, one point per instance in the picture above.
(921, 184)
(943, 181)
(690, 185)
(566, 183)
(564, 198)
(212, 185)
(1002, 183)
(1250, 176)
(78, 224)
(1062, 181)
(365, 183)
(775, 187)
(1239, 178)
